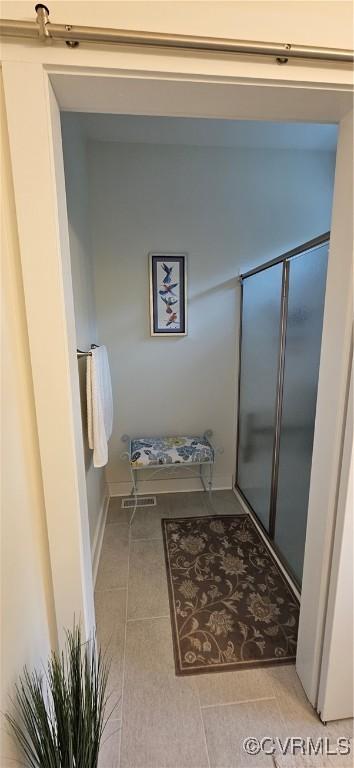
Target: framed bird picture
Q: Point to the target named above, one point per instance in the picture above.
(168, 294)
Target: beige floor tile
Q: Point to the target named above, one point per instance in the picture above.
(344, 761)
(188, 504)
(338, 728)
(115, 512)
(110, 745)
(225, 503)
(331, 758)
(147, 520)
(162, 726)
(298, 760)
(299, 717)
(110, 608)
(226, 728)
(113, 566)
(228, 687)
(147, 590)
(305, 757)
(302, 721)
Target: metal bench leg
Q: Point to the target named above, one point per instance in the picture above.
(210, 482)
(201, 477)
(134, 492)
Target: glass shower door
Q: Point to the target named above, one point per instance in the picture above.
(306, 292)
(261, 307)
(281, 332)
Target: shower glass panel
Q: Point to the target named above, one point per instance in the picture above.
(261, 306)
(307, 283)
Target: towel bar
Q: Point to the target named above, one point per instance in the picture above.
(80, 353)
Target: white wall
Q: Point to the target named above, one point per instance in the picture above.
(76, 180)
(230, 209)
(28, 624)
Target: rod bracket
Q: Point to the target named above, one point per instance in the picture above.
(43, 21)
(283, 59)
(71, 43)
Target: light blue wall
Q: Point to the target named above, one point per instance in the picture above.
(77, 194)
(229, 209)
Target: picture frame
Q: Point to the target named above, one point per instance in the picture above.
(168, 294)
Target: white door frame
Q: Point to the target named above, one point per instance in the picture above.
(37, 163)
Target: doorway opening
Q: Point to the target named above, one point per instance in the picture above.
(227, 192)
(230, 195)
(99, 91)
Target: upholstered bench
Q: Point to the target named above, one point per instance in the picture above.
(159, 453)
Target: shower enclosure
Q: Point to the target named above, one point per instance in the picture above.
(281, 328)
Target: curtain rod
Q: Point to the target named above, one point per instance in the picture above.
(42, 29)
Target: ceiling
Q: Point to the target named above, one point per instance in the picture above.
(206, 132)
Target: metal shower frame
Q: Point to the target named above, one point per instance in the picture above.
(285, 260)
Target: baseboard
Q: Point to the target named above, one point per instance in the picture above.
(98, 538)
(170, 485)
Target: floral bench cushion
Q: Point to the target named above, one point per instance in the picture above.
(147, 451)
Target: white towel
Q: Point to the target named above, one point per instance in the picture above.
(99, 404)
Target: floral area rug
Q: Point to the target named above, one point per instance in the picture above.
(231, 607)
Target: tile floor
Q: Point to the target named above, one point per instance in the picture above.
(164, 721)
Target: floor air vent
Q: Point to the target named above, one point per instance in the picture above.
(142, 501)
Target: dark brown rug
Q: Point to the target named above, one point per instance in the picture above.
(231, 607)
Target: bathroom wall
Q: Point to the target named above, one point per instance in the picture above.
(76, 179)
(229, 208)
